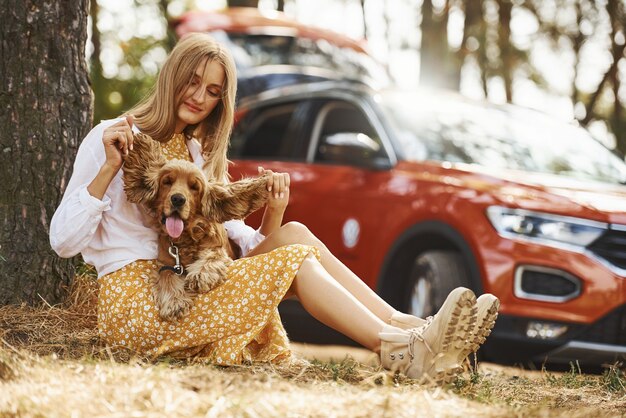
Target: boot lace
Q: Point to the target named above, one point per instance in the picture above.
(417, 334)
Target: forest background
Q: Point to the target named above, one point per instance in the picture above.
(564, 57)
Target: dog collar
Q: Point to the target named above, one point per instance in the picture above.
(177, 268)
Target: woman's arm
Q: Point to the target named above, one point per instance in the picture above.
(272, 220)
(278, 189)
(247, 238)
(117, 139)
(76, 220)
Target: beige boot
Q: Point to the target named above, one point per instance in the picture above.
(406, 321)
(431, 350)
(487, 311)
(486, 316)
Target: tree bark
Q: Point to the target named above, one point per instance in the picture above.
(46, 110)
(98, 82)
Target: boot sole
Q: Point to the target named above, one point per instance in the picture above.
(444, 376)
(459, 330)
(441, 376)
(483, 330)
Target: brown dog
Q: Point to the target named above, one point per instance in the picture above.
(188, 212)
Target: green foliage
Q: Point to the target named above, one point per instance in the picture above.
(573, 379)
(345, 370)
(475, 387)
(113, 96)
(84, 269)
(123, 70)
(614, 379)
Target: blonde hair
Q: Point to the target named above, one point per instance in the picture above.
(156, 113)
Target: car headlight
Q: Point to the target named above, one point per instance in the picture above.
(544, 228)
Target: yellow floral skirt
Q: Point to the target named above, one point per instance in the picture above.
(234, 323)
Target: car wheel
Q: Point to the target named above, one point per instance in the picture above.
(433, 276)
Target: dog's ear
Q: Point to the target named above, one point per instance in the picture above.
(224, 202)
(141, 169)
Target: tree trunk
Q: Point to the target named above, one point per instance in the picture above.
(46, 110)
(438, 68)
(577, 40)
(616, 11)
(616, 16)
(98, 82)
(242, 3)
(475, 29)
(505, 10)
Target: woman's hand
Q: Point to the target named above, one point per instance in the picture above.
(117, 140)
(278, 188)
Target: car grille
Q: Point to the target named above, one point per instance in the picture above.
(611, 246)
(548, 283)
(610, 329)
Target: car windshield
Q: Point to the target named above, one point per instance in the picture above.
(255, 50)
(440, 128)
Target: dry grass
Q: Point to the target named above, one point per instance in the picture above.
(52, 364)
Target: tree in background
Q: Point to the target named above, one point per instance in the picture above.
(611, 82)
(125, 59)
(486, 43)
(46, 110)
(488, 47)
(438, 66)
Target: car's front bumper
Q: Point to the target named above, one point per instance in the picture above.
(595, 344)
(587, 353)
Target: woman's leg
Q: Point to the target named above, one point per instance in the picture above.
(333, 305)
(296, 233)
(429, 351)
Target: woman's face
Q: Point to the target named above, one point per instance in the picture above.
(202, 95)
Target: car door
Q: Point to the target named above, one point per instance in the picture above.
(351, 166)
(338, 163)
(271, 135)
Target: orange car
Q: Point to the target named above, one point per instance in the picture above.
(420, 192)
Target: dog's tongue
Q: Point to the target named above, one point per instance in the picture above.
(174, 226)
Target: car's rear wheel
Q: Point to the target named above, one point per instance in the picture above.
(433, 276)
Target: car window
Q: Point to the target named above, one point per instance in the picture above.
(346, 136)
(443, 128)
(267, 133)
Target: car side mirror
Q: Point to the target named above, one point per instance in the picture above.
(353, 148)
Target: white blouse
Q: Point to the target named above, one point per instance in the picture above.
(112, 232)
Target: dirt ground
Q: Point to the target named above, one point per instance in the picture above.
(331, 385)
(52, 364)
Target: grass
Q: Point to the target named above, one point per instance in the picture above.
(53, 364)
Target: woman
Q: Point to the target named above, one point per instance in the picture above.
(190, 111)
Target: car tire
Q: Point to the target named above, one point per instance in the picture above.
(433, 276)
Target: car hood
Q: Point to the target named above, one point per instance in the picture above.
(540, 191)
